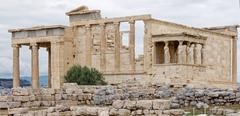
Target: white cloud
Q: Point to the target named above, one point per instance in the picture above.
(27, 13)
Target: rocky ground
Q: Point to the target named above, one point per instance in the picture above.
(122, 100)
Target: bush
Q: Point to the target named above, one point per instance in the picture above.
(84, 76)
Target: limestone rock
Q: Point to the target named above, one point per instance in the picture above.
(20, 91)
(174, 112)
(144, 104)
(18, 110)
(104, 113)
(118, 104)
(130, 105)
(161, 104)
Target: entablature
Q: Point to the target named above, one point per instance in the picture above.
(179, 37)
(38, 31)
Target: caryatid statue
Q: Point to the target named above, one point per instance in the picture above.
(198, 54)
(166, 53)
(181, 53)
(190, 54)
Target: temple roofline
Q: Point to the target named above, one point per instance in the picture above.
(222, 27)
(190, 27)
(38, 28)
(180, 34)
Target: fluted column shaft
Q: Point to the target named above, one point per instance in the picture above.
(49, 68)
(103, 49)
(89, 45)
(203, 54)
(132, 45)
(16, 66)
(35, 66)
(117, 47)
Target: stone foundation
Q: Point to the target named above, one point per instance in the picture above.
(128, 99)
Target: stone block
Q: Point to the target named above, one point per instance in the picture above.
(47, 98)
(21, 98)
(26, 104)
(129, 105)
(46, 103)
(70, 85)
(20, 91)
(10, 104)
(32, 97)
(123, 112)
(73, 91)
(174, 112)
(3, 104)
(66, 113)
(144, 104)
(118, 104)
(48, 91)
(58, 97)
(6, 98)
(67, 102)
(35, 92)
(113, 112)
(36, 103)
(18, 110)
(146, 112)
(92, 111)
(104, 113)
(161, 104)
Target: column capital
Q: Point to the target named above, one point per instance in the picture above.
(88, 26)
(34, 44)
(16, 45)
(131, 21)
(102, 24)
(116, 23)
(48, 49)
(166, 42)
(180, 42)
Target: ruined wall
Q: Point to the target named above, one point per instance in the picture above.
(219, 53)
(93, 34)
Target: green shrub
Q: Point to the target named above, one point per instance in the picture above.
(84, 76)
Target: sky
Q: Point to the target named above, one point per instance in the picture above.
(28, 13)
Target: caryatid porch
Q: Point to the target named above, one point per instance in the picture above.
(181, 48)
(49, 37)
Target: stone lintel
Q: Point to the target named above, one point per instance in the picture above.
(179, 37)
(27, 41)
(111, 20)
(42, 27)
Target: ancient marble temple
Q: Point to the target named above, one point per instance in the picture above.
(173, 54)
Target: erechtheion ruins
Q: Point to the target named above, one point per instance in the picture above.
(173, 53)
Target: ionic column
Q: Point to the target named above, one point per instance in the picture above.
(132, 45)
(117, 47)
(234, 60)
(35, 66)
(89, 45)
(166, 53)
(16, 66)
(103, 48)
(203, 54)
(197, 53)
(49, 68)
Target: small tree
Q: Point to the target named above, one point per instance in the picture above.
(84, 76)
